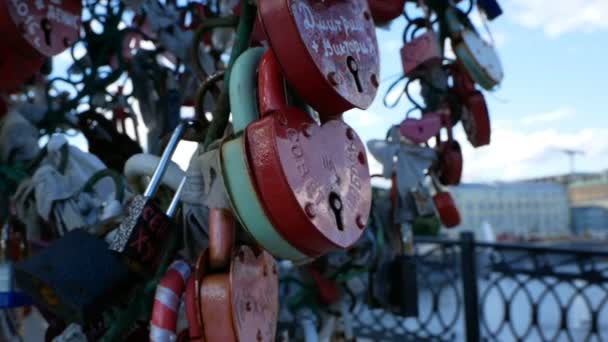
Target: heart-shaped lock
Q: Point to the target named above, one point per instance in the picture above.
(327, 50)
(448, 212)
(478, 56)
(236, 173)
(46, 26)
(319, 194)
(384, 11)
(449, 164)
(16, 69)
(241, 304)
(420, 130)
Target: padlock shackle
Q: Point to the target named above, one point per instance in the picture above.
(177, 196)
(161, 168)
(271, 85)
(242, 85)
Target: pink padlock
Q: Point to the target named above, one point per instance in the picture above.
(421, 130)
(420, 52)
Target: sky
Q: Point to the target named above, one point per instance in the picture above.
(552, 97)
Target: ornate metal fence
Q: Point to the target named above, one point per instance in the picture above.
(499, 292)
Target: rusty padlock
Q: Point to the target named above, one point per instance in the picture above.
(237, 298)
(449, 164)
(445, 205)
(327, 50)
(319, 196)
(478, 56)
(384, 11)
(144, 233)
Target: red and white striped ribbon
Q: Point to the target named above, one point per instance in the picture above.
(166, 302)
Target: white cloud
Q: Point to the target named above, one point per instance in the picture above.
(549, 117)
(516, 155)
(557, 17)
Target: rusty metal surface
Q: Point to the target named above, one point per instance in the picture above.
(216, 309)
(254, 295)
(327, 50)
(221, 238)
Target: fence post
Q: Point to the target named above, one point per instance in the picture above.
(468, 264)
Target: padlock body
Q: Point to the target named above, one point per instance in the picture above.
(327, 50)
(420, 52)
(491, 8)
(245, 201)
(449, 166)
(448, 212)
(404, 286)
(476, 120)
(143, 235)
(65, 277)
(384, 11)
(313, 180)
(48, 26)
(420, 130)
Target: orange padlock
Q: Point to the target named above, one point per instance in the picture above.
(236, 292)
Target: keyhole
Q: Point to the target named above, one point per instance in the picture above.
(335, 203)
(351, 63)
(46, 27)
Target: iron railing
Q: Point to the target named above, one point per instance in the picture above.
(475, 291)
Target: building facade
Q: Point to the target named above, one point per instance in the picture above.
(521, 209)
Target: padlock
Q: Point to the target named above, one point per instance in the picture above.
(384, 11)
(16, 69)
(420, 130)
(144, 233)
(490, 8)
(445, 205)
(449, 164)
(237, 300)
(478, 56)
(474, 112)
(64, 278)
(403, 293)
(420, 52)
(319, 196)
(327, 50)
(45, 26)
(448, 212)
(476, 120)
(235, 164)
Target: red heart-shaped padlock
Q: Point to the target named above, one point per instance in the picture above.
(476, 120)
(47, 26)
(313, 180)
(420, 130)
(448, 212)
(327, 51)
